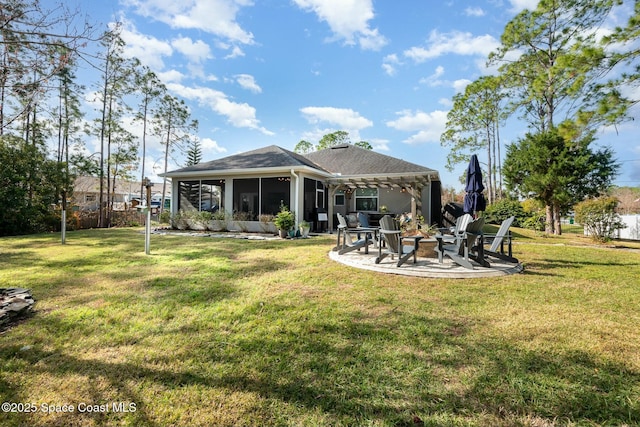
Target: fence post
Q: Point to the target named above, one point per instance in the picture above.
(147, 224)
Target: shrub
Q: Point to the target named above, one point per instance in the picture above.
(599, 217)
(535, 221)
(180, 220)
(535, 216)
(285, 219)
(503, 209)
(203, 217)
(265, 222)
(165, 217)
(218, 221)
(240, 219)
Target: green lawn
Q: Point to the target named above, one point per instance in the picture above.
(226, 332)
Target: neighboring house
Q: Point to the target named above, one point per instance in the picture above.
(343, 178)
(126, 194)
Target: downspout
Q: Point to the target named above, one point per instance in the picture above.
(295, 197)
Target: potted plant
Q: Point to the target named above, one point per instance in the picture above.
(284, 221)
(304, 228)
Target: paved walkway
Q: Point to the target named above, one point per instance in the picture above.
(424, 267)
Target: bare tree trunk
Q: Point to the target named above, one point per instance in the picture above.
(493, 163)
(490, 189)
(144, 152)
(166, 166)
(500, 186)
(101, 216)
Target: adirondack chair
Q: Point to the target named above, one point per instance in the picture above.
(498, 242)
(363, 221)
(348, 244)
(467, 246)
(449, 235)
(391, 234)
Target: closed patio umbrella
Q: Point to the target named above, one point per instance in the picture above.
(474, 200)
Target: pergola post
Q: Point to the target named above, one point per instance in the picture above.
(333, 189)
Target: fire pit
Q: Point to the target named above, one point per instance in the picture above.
(15, 303)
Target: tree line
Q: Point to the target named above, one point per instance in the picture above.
(43, 128)
(563, 78)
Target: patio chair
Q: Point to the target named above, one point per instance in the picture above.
(391, 234)
(450, 234)
(348, 244)
(363, 221)
(466, 247)
(498, 242)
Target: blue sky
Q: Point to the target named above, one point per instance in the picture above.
(262, 72)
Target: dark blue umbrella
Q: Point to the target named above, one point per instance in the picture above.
(474, 200)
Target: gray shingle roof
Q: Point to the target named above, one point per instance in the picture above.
(266, 157)
(348, 159)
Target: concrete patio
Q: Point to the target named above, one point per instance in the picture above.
(424, 267)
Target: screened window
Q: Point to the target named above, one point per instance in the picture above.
(245, 197)
(366, 199)
(206, 195)
(275, 191)
(319, 194)
(211, 195)
(189, 195)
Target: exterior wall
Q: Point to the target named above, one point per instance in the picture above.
(296, 192)
(632, 231)
(394, 199)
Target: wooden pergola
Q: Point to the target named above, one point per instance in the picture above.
(411, 183)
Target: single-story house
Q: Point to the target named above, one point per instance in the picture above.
(344, 178)
(126, 194)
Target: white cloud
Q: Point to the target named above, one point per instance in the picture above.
(380, 144)
(240, 115)
(427, 126)
(171, 76)
(196, 51)
(345, 118)
(235, 53)
(446, 102)
(211, 145)
(474, 11)
(212, 16)
(434, 79)
(389, 69)
(520, 5)
(149, 50)
(248, 82)
(461, 84)
(389, 64)
(456, 42)
(348, 20)
(372, 40)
